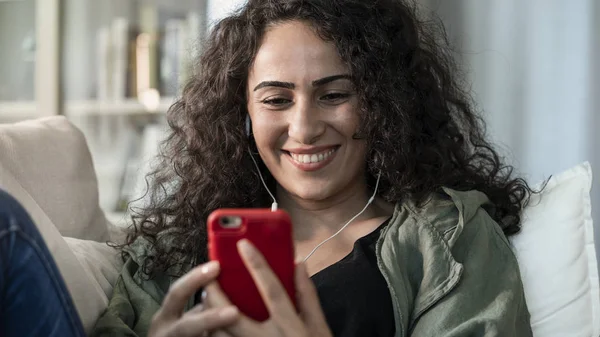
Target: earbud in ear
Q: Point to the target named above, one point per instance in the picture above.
(248, 126)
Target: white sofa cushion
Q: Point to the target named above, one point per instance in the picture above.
(557, 258)
(49, 159)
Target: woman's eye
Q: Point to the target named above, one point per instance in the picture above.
(335, 97)
(276, 101)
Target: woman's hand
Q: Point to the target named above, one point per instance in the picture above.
(170, 319)
(284, 320)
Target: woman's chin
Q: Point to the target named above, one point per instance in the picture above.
(309, 193)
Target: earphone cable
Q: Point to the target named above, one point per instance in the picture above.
(349, 221)
(274, 204)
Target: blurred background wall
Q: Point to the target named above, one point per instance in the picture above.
(17, 36)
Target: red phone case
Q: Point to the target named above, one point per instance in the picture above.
(271, 233)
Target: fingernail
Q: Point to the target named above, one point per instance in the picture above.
(228, 313)
(209, 267)
(245, 247)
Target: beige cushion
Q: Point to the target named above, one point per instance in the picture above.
(45, 164)
(48, 158)
(101, 263)
(85, 284)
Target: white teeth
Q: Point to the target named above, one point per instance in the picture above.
(314, 158)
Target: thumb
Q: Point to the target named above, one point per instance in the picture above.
(309, 306)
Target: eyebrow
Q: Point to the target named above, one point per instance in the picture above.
(330, 79)
(290, 85)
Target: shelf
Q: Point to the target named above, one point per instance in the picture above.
(22, 110)
(126, 107)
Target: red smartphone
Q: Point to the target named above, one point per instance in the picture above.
(271, 233)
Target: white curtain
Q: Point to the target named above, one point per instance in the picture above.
(534, 67)
(218, 9)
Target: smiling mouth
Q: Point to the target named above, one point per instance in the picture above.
(312, 161)
(312, 158)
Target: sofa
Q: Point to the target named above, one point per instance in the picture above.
(47, 166)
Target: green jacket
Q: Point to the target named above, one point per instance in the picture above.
(448, 266)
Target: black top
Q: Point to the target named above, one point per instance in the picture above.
(354, 295)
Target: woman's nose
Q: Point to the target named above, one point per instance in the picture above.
(305, 124)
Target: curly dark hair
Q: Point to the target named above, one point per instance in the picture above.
(421, 129)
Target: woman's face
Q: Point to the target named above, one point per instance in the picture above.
(304, 112)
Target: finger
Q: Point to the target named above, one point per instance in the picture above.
(244, 326)
(220, 333)
(198, 308)
(276, 298)
(215, 297)
(308, 299)
(185, 287)
(193, 324)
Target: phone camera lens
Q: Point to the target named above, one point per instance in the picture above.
(230, 222)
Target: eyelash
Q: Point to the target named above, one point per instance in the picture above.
(337, 95)
(332, 96)
(272, 101)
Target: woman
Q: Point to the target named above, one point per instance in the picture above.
(344, 100)
(341, 95)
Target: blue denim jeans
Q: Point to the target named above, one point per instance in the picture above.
(34, 300)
